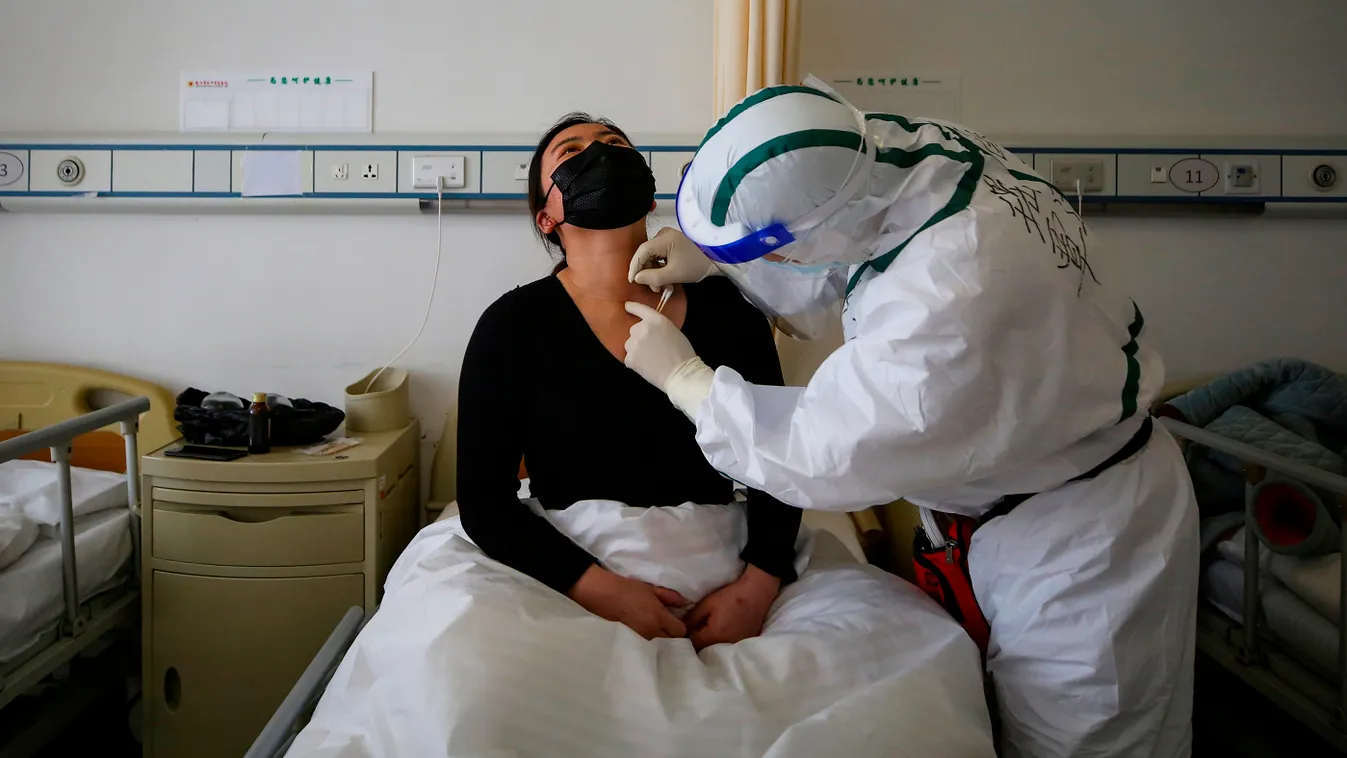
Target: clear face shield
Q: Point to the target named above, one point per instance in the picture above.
(794, 272)
(799, 299)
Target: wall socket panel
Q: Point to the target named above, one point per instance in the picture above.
(1066, 172)
(427, 170)
(355, 171)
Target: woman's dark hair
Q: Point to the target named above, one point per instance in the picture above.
(552, 241)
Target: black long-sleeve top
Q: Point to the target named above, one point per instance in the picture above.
(538, 384)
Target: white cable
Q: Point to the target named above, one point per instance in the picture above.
(434, 283)
(1080, 201)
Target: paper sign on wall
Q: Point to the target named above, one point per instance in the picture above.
(272, 173)
(315, 101)
(931, 95)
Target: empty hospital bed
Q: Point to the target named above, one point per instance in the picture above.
(69, 439)
(1286, 639)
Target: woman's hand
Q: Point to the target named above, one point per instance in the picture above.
(642, 607)
(734, 612)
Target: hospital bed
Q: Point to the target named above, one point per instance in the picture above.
(862, 533)
(75, 433)
(1289, 653)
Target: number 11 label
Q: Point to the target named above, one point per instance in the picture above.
(1194, 175)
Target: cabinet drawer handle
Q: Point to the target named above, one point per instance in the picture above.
(255, 516)
(172, 689)
(261, 516)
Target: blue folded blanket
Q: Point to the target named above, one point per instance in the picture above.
(1286, 406)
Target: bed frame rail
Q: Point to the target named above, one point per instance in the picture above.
(1250, 652)
(58, 438)
(285, 723)
(76, 630)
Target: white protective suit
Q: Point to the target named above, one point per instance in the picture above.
(984, 356)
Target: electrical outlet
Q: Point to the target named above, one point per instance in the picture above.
(340, 170)
(1088, 171)
(371, 171)
(427, 170)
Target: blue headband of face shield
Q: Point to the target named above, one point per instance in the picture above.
(751, 247)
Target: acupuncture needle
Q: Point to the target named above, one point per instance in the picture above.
(664, 298)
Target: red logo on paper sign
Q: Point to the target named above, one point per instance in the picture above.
(207, 83)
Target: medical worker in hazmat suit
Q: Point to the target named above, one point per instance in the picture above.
(985, 359)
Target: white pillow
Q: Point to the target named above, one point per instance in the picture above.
(30, 487)
(17, 534)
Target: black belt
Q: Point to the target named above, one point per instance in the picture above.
(1133, 446)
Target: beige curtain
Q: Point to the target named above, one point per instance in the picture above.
(756, 45)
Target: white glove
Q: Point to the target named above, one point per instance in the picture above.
(659, 352)
(684, 261)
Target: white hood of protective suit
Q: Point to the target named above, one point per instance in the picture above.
(787, 153)
(985, 354)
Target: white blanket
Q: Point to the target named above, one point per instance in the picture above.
(468, 658)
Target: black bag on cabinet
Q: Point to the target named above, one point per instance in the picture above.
(304, 422)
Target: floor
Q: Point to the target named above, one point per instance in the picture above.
(1231, 720)
(86, 714)
(105, 732)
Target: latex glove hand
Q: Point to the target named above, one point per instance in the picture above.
(644, 608)
(684, 262)
(659, 352)
(655, 346)
(734, 612)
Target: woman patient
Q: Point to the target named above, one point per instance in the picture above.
(496, 634)
(543, 380)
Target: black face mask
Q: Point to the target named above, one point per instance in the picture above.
(604, 187)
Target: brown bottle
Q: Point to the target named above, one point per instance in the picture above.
(259, 425)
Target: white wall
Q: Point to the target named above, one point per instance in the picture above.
(321, 300)
(440, 65)
(1218, 293)
(1106, 67)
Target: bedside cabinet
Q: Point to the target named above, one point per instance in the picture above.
(247, 567)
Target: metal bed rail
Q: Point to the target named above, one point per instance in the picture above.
(58, 438)
(275, 738)
(1256, 464)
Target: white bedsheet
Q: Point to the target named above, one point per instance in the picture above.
(17, 534)
(31, 589)
(467, 657)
